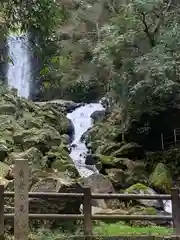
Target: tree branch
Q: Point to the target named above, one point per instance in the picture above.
(146, 30)
(161, 17)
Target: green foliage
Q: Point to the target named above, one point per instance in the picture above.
(139, 47)
(39, 15)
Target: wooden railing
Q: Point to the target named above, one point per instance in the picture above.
(21, 214)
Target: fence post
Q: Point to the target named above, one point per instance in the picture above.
(162, 142)
(1, 212)
(21, 183)
(87, 213)
(175, 139)
(176, 210)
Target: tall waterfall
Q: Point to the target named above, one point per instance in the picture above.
(19, 70)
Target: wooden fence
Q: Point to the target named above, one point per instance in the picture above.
(172, 139)
(21, 214)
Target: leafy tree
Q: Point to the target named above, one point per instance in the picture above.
(140, 49)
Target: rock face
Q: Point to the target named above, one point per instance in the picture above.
(37, 133)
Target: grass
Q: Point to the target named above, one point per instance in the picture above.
(118, 229)
(104, 229)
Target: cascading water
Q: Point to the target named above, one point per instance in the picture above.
(19, 70)
(82, 122)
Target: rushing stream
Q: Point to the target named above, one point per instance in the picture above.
(19, 76)
(82, 122)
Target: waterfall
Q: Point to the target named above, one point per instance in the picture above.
(82, 122)
(19, 71)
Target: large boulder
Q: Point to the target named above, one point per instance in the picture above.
(32, 155)
(63, 162)
(108, 148)
(139, 188)
(43, 139)
(98, 115)
(127, 173)
(55, 182)
(7, 109)
(130, 150)
(161, 178)
(101, 184)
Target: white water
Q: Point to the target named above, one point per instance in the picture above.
(82, 122)
(167, 206)
(18, 75)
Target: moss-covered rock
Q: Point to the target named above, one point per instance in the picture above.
(161, 178)
(63, 162)
(55, 182)
(8, 109)
(43, 138)
(127, 173)
(142, 210)
(130, 150)
(170, 158)
(109, 148)
(140, 188)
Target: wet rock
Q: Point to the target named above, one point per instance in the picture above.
(91, 159)
(98, 115)
(70, 129)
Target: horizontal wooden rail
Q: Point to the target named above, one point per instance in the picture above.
(94, 217)
(94, 195)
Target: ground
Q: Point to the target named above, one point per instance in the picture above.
(116, 229)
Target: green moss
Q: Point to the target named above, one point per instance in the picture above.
(107, 160)
(161, 178)
(149, 211)
(137, 188)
